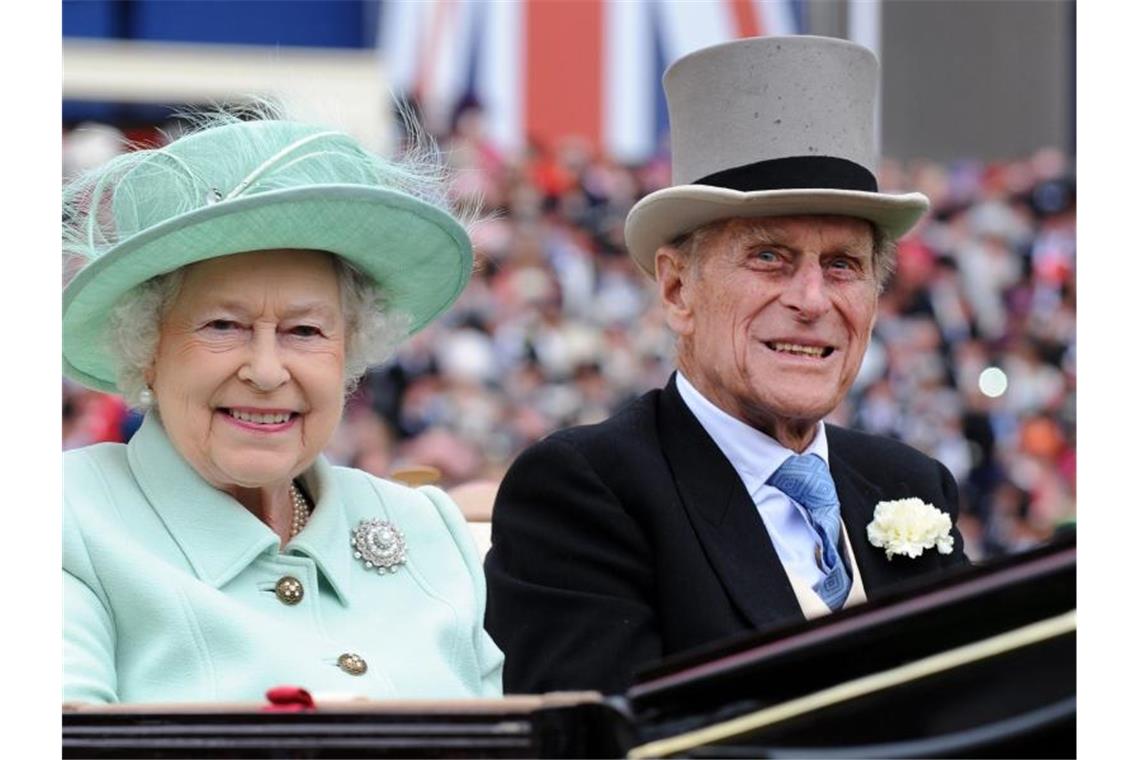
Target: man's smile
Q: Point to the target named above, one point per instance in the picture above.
(810, 350)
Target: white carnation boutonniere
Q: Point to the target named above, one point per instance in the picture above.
(910, 527)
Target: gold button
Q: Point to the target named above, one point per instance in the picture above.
(353, 664)
(289, 590)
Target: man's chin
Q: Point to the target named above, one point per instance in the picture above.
(803, 417)
(798, 406)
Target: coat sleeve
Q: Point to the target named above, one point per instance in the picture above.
(88, 645)
(488, 657)
(957, 556)
(570, 578)
(88, 628)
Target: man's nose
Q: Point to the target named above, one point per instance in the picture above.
(265, 368)
(805, 292)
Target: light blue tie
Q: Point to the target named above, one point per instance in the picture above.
(806, 480)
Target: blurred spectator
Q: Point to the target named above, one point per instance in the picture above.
(92, 417)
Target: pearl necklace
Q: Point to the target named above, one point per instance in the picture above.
(300, 511)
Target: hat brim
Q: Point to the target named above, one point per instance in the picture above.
(418, 255)
(662, 216)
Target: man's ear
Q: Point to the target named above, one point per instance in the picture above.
(673, 287)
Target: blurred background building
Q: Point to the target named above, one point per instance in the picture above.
(551, 115)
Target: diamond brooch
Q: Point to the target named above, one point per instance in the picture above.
(380, 545)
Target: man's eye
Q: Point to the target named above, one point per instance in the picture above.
(766, 256)
(846, 264)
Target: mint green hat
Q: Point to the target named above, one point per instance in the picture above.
(246, 186)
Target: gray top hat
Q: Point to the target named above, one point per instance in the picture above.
(769, 126)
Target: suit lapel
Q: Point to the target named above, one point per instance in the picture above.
(724, 517)
(857, 499)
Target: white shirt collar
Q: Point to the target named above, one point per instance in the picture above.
(753, 454)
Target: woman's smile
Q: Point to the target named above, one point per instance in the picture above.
(264, 421)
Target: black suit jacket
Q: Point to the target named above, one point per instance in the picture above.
(614, 545)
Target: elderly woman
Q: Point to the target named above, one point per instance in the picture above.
(236, 283)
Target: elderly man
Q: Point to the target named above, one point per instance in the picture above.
(722, 504)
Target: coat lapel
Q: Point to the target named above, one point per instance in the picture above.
(218, 536)
(724, 517)
(857, 499)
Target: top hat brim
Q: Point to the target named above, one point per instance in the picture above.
(661, 217)
(418, 255)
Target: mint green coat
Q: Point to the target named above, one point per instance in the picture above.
(169, 588)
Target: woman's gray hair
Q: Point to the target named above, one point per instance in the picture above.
(372, 332)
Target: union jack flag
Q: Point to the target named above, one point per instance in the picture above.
(543, 70)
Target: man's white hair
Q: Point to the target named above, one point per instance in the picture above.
(372, 334)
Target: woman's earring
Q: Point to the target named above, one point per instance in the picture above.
(146, 396)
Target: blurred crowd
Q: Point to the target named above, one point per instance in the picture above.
(973, 357)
